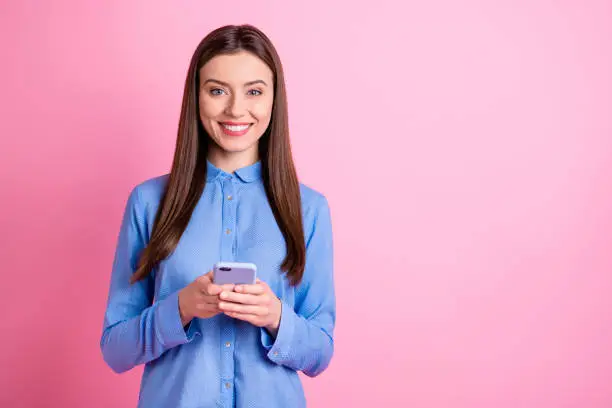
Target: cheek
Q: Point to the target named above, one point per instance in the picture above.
(262, 111)
(209, 109)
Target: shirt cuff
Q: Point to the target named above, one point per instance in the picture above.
(279, 349)
(170, 328)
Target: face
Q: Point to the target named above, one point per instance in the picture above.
(236, 97)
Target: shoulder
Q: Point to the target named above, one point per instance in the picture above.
(147, 194)
(315, 210)
(152, 189)
(312, 200)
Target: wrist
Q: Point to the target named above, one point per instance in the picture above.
(185, 317)
(275, 325)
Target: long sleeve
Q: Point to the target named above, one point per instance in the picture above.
(137, 330)
(304, 341)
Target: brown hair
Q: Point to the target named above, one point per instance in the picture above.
(188, 174)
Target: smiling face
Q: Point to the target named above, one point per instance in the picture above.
(236, 97)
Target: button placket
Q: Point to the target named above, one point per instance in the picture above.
(228, 237)
(229, 220)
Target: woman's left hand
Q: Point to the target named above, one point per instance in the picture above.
(256, 304)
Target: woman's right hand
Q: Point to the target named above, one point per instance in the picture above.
(200, 298)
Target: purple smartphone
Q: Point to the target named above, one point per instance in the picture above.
(237, 273)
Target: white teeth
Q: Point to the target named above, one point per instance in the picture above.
(236, 128)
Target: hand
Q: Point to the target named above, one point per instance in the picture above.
(200, 299)
(256, 304)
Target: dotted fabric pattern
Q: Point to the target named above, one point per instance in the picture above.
(220, 361)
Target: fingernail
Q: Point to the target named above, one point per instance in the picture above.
(223, 295)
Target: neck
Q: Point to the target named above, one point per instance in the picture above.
(232, 161)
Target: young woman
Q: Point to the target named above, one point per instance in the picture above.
(232, 195)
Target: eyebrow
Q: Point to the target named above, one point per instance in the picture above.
(257, 81)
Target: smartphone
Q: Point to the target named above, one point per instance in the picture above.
(236, 273)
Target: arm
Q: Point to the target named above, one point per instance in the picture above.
(304, 341)
(136, 330)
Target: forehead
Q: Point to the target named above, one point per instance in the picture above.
(236, 68)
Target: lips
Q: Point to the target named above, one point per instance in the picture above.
(235, 128)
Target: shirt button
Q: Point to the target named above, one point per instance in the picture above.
(228, 231)
(228, 385)
(275, 353)
(228, 344)
(230, 197)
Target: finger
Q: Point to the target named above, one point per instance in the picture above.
(262, 283)
(256, 289)
(212, 290)
(208, 299)
(254, 320)
(244, 309)
(243, 298)
(207, 307)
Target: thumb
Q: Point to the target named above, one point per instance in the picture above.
(206, 278)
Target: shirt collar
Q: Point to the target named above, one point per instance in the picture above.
(247, 174)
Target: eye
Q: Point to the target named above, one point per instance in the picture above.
(254, 92)
(216, 91)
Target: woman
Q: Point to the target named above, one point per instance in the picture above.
(232, 195)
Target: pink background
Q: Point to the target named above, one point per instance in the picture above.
(465, 147)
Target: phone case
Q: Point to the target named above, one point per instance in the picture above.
(237, 273)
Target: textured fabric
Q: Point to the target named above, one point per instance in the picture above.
(220, 362)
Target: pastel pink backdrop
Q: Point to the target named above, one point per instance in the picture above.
(465, 147)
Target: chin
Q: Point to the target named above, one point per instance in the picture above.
(237, 146)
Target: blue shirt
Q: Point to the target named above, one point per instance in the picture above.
(220, 361)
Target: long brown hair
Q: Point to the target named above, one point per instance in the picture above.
(188, 174)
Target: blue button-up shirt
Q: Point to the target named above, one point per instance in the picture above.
(220, 361)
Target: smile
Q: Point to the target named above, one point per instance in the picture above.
(235, 129)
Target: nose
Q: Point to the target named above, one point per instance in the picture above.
(235, 107)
